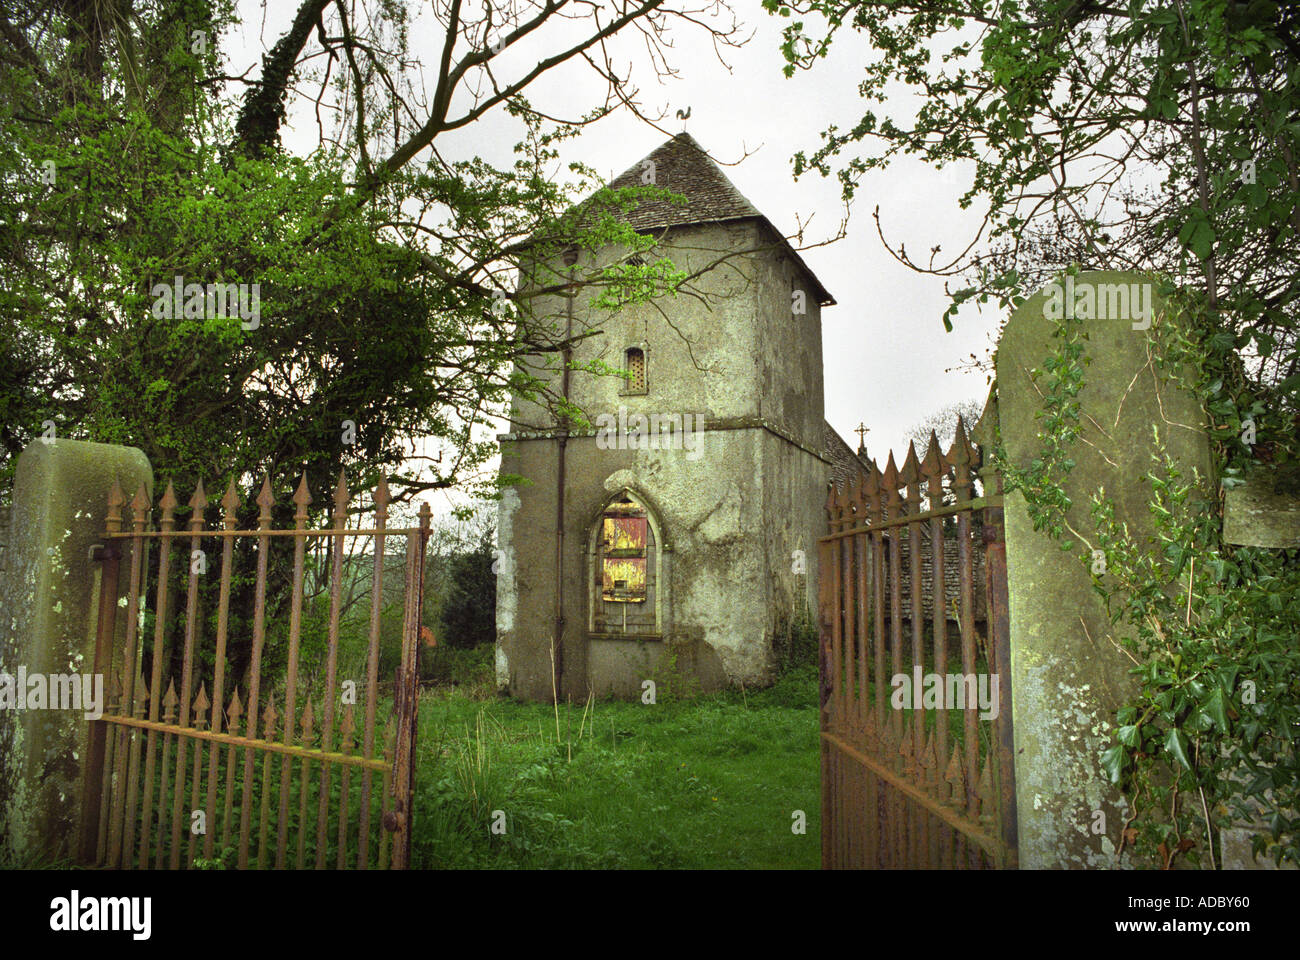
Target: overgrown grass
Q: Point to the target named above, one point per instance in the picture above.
(712, 782)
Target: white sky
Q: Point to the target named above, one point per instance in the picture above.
(885, 350)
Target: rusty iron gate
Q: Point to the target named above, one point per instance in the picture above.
(902, 787)
(175, 775)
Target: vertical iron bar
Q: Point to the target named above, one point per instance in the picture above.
(264, 825)
(828, 808)
(340, 519)
(999, 627)
(372, 671)
(345, 774)
(232, 727)
(939, 617)
(301, 498)
(825, 599)
(126, 738)
(878, 596)
(133, 774)
(229, 504)
(196, 780)
(264, 501)
(109, 793)
(384, 794)
(304, 782)
(408, 692)
(197, 502)
(92, 801)
(824, 554)
(157, 655)
(837, 638)
(168, 746)
(864, 633)
(893, 508)
(911, 476)
(139, 551)
(966, 576)
(963, 460)
(849, 628)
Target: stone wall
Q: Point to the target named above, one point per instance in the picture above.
(4, 537)
(951, 576)
(728, 525)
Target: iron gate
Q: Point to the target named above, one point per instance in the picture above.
(905, 787)
(172, 773)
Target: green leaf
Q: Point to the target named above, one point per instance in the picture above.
(1250, 731)
(1201, 239)
(1176, 744)
(1128, 735)
(1216, 707)
(1112, 761)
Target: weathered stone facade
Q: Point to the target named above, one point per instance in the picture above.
(729, 527)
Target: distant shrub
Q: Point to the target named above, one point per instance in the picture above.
(796, 689)
(468, 613)
(447, 666)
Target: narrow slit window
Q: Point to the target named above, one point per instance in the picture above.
(636, 364)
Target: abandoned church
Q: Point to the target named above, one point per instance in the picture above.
(679, 533)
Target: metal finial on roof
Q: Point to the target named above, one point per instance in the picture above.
(683, 116)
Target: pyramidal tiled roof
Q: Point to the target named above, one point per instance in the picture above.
(681, 166)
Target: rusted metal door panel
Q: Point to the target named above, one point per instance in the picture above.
(900, 579)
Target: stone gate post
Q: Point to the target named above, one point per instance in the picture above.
(49, 598)
(1068, 673)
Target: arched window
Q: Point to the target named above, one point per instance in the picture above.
(627, 569)
(634, 361)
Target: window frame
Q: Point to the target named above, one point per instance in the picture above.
(657, 563)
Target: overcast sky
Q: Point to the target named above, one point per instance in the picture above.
(887, 358)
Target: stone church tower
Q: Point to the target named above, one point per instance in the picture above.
(650, 556)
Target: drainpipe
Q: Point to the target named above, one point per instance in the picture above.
(570, 259)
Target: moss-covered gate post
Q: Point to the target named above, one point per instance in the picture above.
(1069, 674)
(49, 603)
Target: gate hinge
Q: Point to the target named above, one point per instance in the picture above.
(99, 552)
